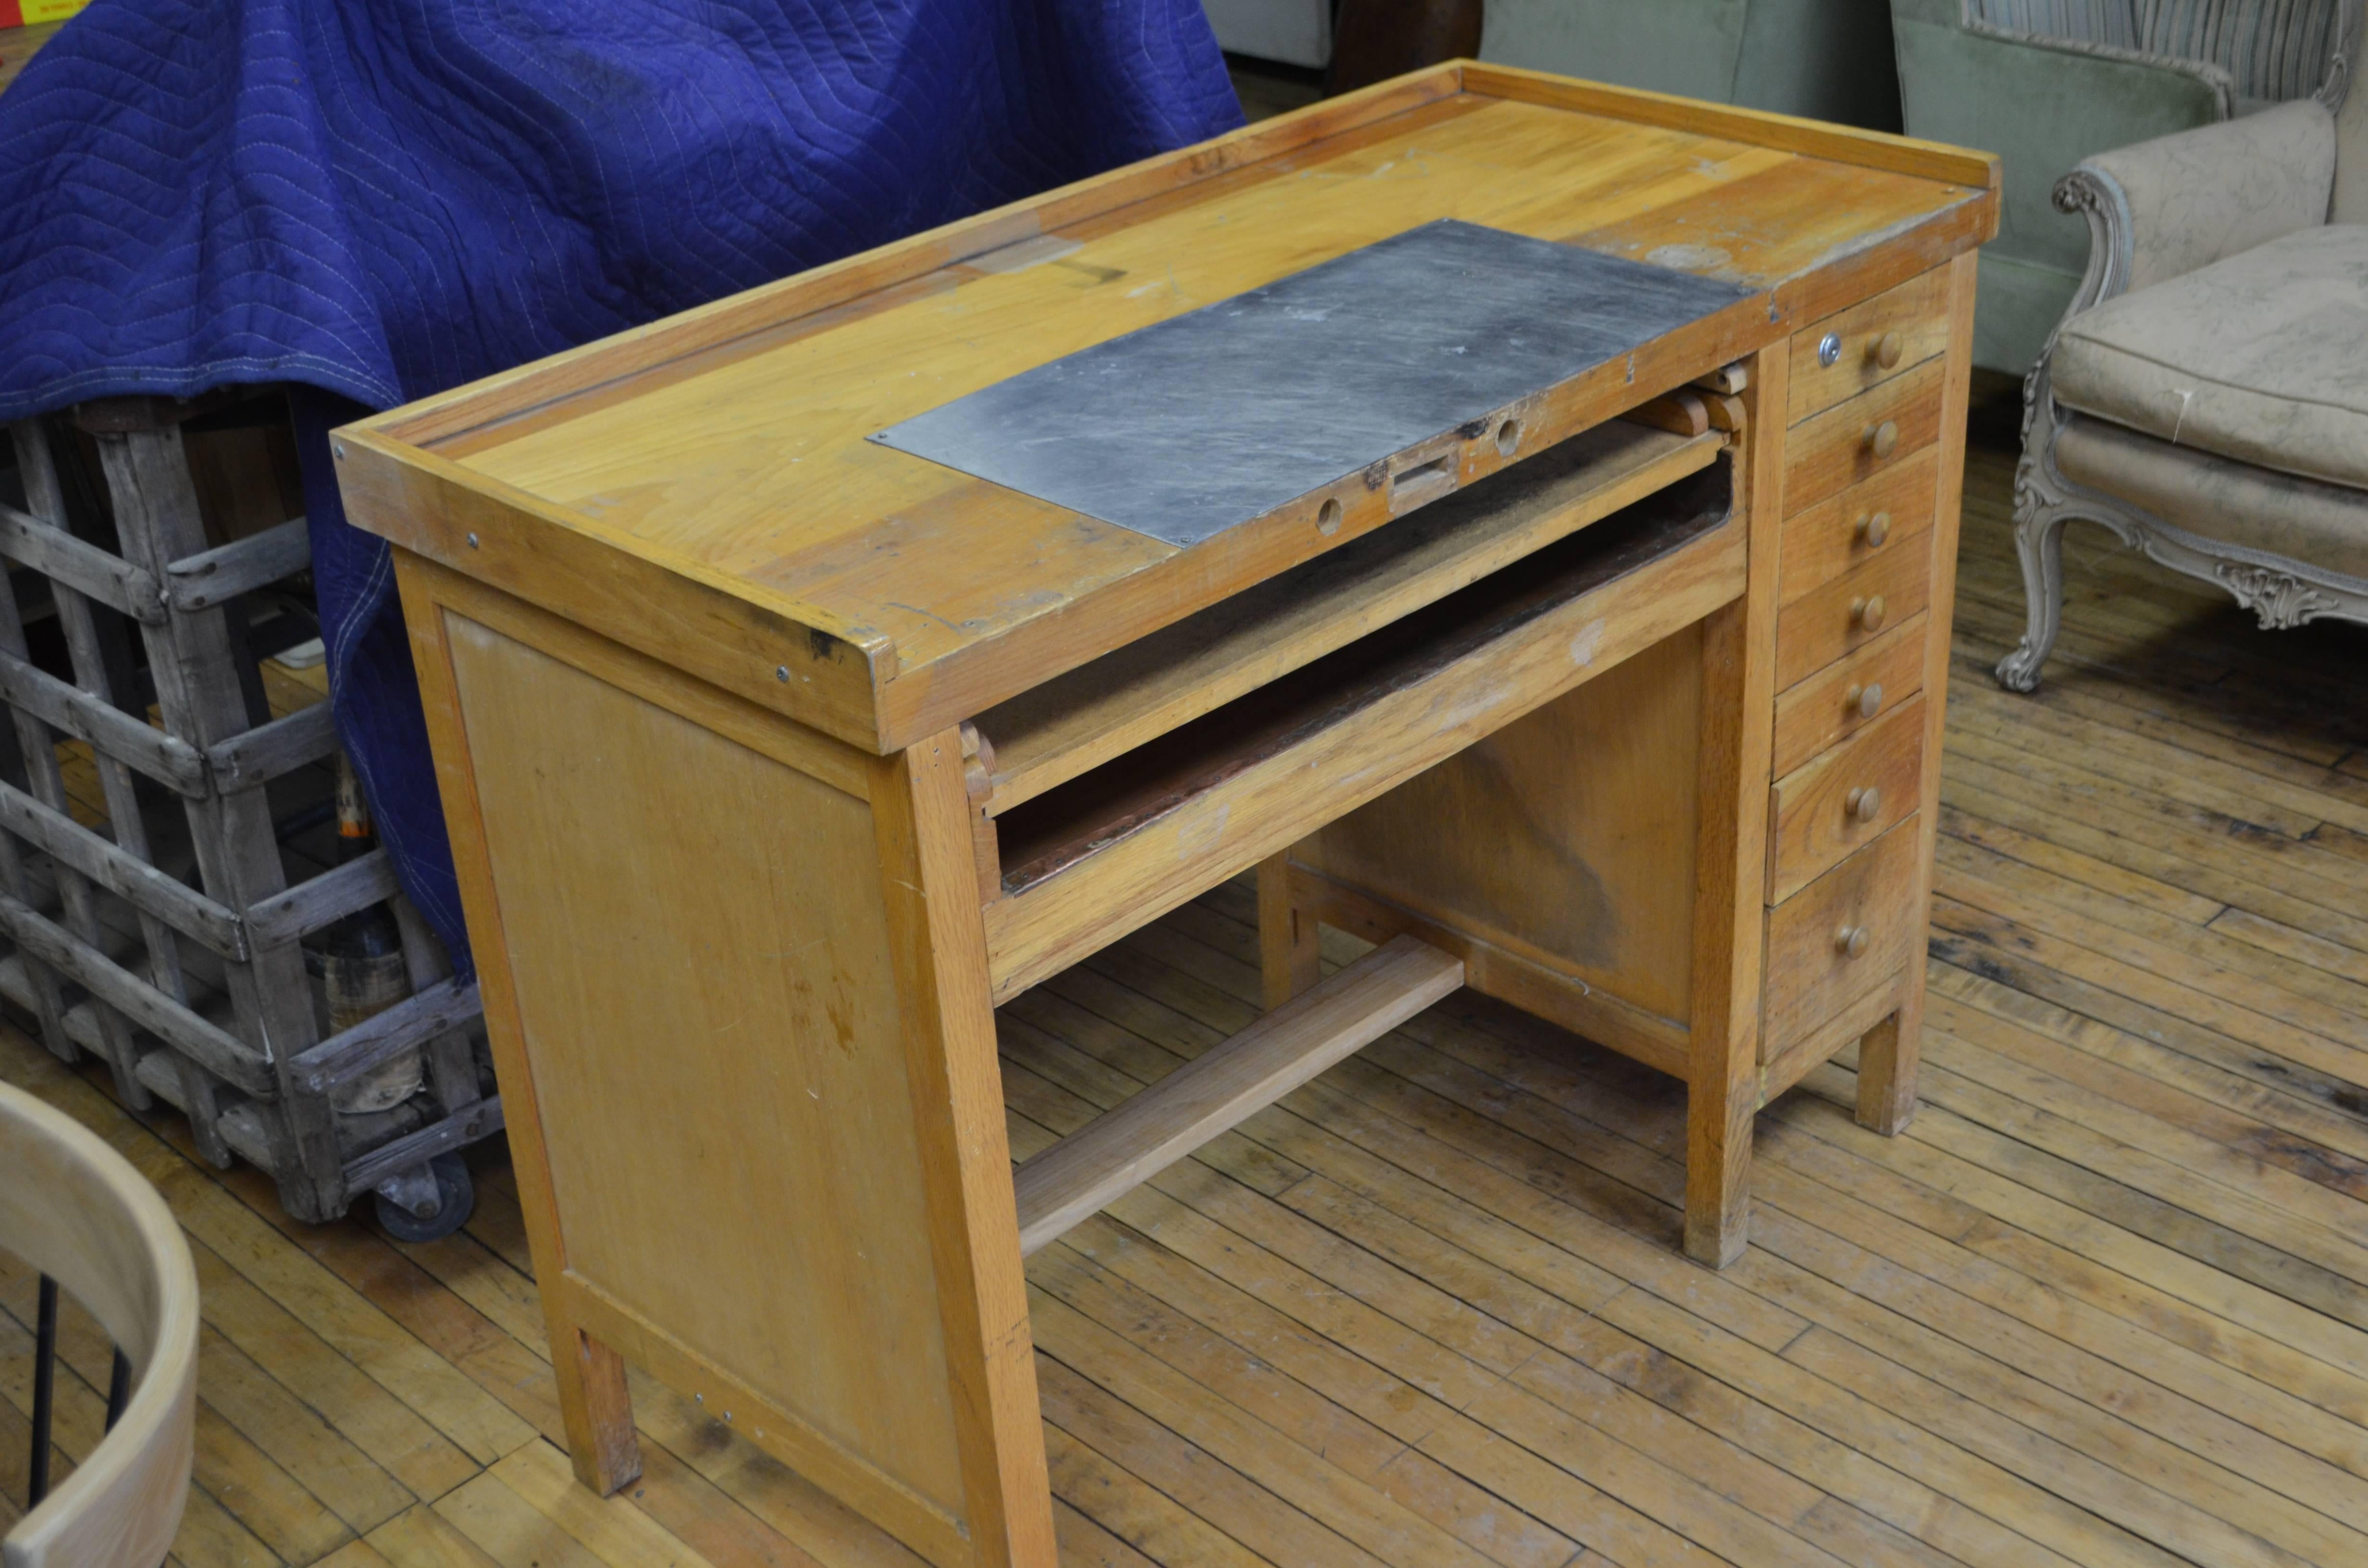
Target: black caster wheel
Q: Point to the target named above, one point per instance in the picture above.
(458, 1199)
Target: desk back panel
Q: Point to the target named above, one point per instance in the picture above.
(1566, 837)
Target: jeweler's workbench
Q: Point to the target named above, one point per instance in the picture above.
(810, 672)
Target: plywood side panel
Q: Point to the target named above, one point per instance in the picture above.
(636, 855)
(1567, 838)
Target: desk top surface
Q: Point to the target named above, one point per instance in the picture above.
(722, 458)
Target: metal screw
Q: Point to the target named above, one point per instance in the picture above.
(338, 448)
(698, 1399)
(1829, 349)
(472, 541)
(780, 672)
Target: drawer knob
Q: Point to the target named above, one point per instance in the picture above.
(1889, 348)
(1864, 803)
(1874, 530)
(1883, 439)
(1867, 613)
(1866, 702)
(1850, 941)
(1829, 349)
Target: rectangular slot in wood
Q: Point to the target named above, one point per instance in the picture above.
(1420, 481)
(1086, 862)
(1159, 1125)
(1078, 721)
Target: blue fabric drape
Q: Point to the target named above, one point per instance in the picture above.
(380, 201)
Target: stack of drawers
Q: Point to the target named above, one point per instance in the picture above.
(1852, 746)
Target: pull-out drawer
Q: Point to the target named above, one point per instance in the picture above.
(1075, 722)
(1848, 695)
(1890, 512)
(1121, 844)
(1852, 931)
(1874, 340)
(1844, 798)
(1888, 589)
(1853, 441)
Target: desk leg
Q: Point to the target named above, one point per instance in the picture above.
(597, 1410)
(1738, 671)
(1888, 1056)
(1287, 948)
(1723, 1057)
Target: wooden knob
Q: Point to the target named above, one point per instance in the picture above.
(1883, 439)
(1867, 613)
(1865, 804)
(1874, 530)
(1866, 702)
(1850, 941)
(1889, 348)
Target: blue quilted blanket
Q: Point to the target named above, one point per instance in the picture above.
(378, 201)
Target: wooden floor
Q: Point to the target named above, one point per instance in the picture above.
(2105, 1302)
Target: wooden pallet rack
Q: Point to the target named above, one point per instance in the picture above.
(167, 940)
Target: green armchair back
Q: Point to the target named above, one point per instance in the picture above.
(1825, 59)
(2044, 84)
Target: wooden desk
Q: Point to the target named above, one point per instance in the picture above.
(774, 758)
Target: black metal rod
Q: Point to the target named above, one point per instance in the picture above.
(119, 1389)
(45, 1373)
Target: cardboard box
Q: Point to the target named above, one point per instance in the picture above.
(31, 13)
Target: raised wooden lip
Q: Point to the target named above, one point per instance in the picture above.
(428, 422)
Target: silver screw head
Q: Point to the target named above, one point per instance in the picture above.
(1829, 349)
(780, 672)
(472, 541)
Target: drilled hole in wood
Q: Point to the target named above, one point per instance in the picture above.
(1328, 518)
(1508, 437)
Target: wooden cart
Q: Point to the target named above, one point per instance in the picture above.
(775, 758)
(165, 933)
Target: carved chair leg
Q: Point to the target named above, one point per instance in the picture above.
(2038, 541)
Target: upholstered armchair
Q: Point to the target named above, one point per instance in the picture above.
(2044, 84)
(2206, 395)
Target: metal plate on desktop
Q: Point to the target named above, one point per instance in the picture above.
(1200, 423)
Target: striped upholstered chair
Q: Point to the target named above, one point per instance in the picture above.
(2044, 84)
(2206, 395)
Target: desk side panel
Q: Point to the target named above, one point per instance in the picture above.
(679, 900)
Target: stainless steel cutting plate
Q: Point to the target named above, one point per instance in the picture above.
(1202, 422)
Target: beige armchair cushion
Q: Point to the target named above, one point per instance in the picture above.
(2324, 526)
(2262, 356)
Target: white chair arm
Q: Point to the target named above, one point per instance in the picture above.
(2165, 207)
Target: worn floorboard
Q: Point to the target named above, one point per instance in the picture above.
(2105, 1302)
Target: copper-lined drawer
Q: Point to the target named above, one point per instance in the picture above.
(1853, 441)
(1886, 590)
(1850, 694)
(1854, 929)
(1844, 798)
(1872, 341)
(1890, 511)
